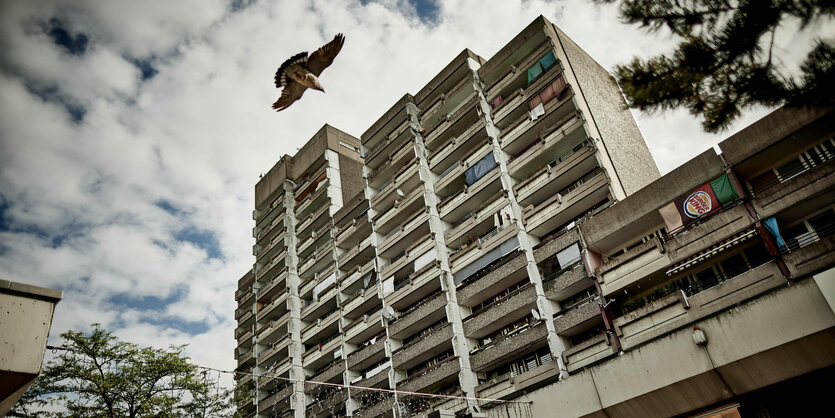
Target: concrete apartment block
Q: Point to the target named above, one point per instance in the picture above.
(458, 265)
(25, 318)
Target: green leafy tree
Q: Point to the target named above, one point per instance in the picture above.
(97, 375)
(725, 59)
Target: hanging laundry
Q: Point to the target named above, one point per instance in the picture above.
(480, 169)
(548, 60)
(534, 72)
(537, 111)
(496, 102)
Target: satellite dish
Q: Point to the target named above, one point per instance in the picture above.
(389, 313)
(536, 315)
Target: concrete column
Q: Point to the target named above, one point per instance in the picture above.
(546, 308)
(296, 349)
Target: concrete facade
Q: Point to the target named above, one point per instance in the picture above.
(457, 266)
(25, 319)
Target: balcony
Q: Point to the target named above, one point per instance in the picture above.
(313, 221)
(399, 158)
(376, 378)
(564, 140)
(274, 308)
(331, 372)
(559, 210)
(274, 287)
(321, 328)
(368, 355)
(676, 310)
(446, 371)
(447, 97)
(506, 72)
(316, 239)
(275, 352)
(274, 330)
(362, 329)
(272, 269)
(478, 222)
(456, 206)
(519, 94)
(270, 230)
(645, 260)
(360, 302)
(578, 317)
(414, 228)
(497, 239)
(392, 139)
(404, 181)
(350, 277)
(452, 180)
(378, 409)
(522, 131)
(492, 280)
(507, 310)
(246, 359)
(458, 147)
(429, 310)
(357, 255)
(509, 386)
(811, 258)
(507, 347)
(277, 400)
(321, 307)
(567, 282)
(319, 263)
(415, 287)
(318, 356)
(587, 353)
(423, 348)
(453, 123)
(708, 233)
(354, 232)
(328, 404)
(803, 187)
(409, 205)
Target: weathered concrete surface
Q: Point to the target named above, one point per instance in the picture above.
(25, 318)
(817, 182)
(638, 213)
(482, 287)
(423, 348)
(766, 340)
(709, 233)
(418, 316)
(576, 316)
(508, 347)
(359, 358)
(516, 306)
(770, 129)
(449, 368)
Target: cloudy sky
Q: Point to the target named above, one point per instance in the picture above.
(132, 135)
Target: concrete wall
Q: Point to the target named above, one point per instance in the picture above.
(25, 318)
(775, 337)
(638, 213)
(622, 140)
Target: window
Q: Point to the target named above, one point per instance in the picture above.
(558, 263)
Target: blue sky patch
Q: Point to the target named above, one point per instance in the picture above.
(52, 94)
(427, 10)
(146, 66)
(147, 303)
(75, 45)
(202, 238)
(168, 207)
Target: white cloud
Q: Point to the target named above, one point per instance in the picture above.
(199, 132)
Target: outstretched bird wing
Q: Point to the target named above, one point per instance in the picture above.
(292, 91)
(323, 57)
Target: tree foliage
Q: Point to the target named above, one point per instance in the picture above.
(725, 59)
(97, 375)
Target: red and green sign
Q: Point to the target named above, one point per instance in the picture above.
(700, 202)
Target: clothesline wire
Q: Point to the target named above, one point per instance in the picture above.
(339, 385)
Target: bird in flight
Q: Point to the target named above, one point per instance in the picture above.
(300, 72)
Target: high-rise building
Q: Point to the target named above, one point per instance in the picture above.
(458, 264)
